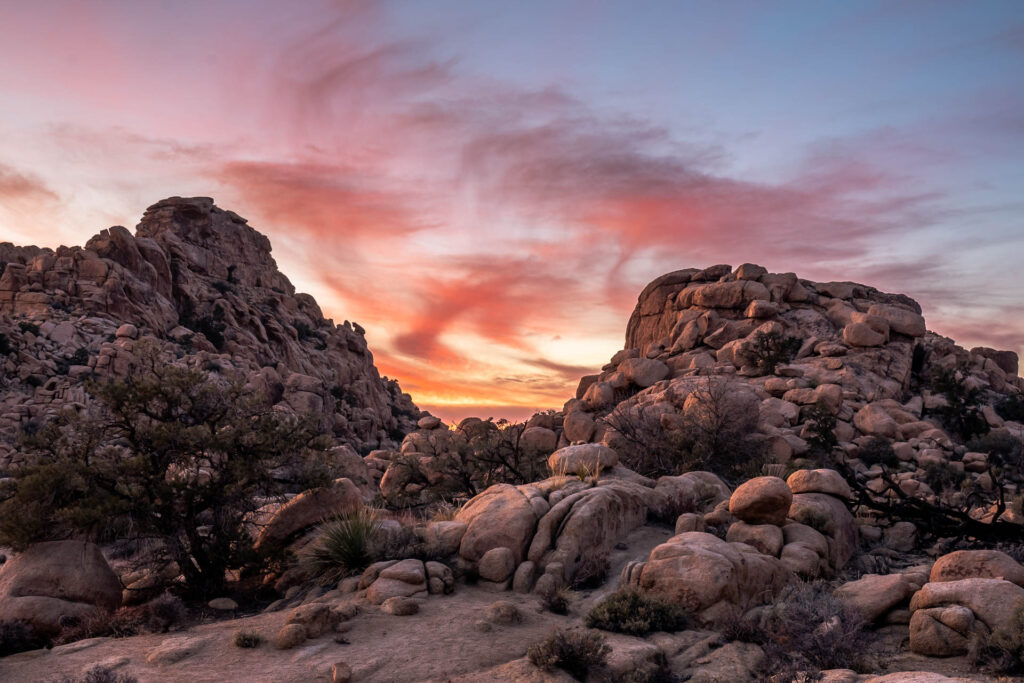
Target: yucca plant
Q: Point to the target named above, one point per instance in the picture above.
(344, 545)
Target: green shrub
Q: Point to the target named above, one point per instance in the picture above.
(961, 414)
(80, 356)
(1002, 447)
(99, 674)
(636, 612)
(941, 476)
(344, 546)
(878, 451)
(19, 636)
(1011, 408)
(1002, 651)
(575, 651)
(767, 350)
(199, 453)
(247, 639)
(821, 441)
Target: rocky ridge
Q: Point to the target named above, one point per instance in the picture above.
(200, 280)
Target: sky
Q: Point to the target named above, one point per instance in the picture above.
(487, 186)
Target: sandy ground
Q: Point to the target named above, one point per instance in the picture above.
(448, 637)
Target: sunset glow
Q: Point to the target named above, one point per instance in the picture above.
(488, 207)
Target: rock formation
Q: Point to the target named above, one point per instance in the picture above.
(200, 279)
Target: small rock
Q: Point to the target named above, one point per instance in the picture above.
(289, 636)
(400, 607)
(174, 649)
(224, 604)
(503, 612)
(341, 672)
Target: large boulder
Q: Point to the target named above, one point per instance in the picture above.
(761, 500)
(829, 516)
(57, 579)
(706, 574)
(309, 508)
(589, 457)
(689, 492)
(875, 594)
(977, 564)
(404, 579)
(901, 320)
(820, 481)
(945, 615)
(499, 517)
(643, 372)
(580, 530)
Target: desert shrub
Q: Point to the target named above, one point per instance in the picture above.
(557, 601)
(99, 674)
(5, 345)
(718, 434)
(940, 476)
(806, 628)
(962, 413)
(1002, 651)
(164, 612)
(821, 439)
(341, 394)
(247, 639)
(575, 651)
(222, 286)
(19, 636)
(1002, 447)
(636, 612)
(168, 453)
(592, 571)
(878, 451)
(29, 328)
(344, 545)
(1011, 408)
(767, 350)
(159, 615)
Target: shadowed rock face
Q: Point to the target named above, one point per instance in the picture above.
(202, 279)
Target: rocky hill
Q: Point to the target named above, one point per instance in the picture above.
(201, 279)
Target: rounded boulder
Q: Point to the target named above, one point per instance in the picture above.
(761, 500)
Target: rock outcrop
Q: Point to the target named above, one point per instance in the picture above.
(202, 281)
(55, 581)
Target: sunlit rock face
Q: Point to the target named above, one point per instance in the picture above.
(203, 282)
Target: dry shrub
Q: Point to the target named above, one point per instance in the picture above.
(592, 571)
(247, 639)
(576, 651)
(1002, 651)
(806, 629)
(637, 612)
(718, 434)
(156, 616)
(19, 636)
(100, 674)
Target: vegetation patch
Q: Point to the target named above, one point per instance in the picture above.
(637, 612)
(576, 651)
